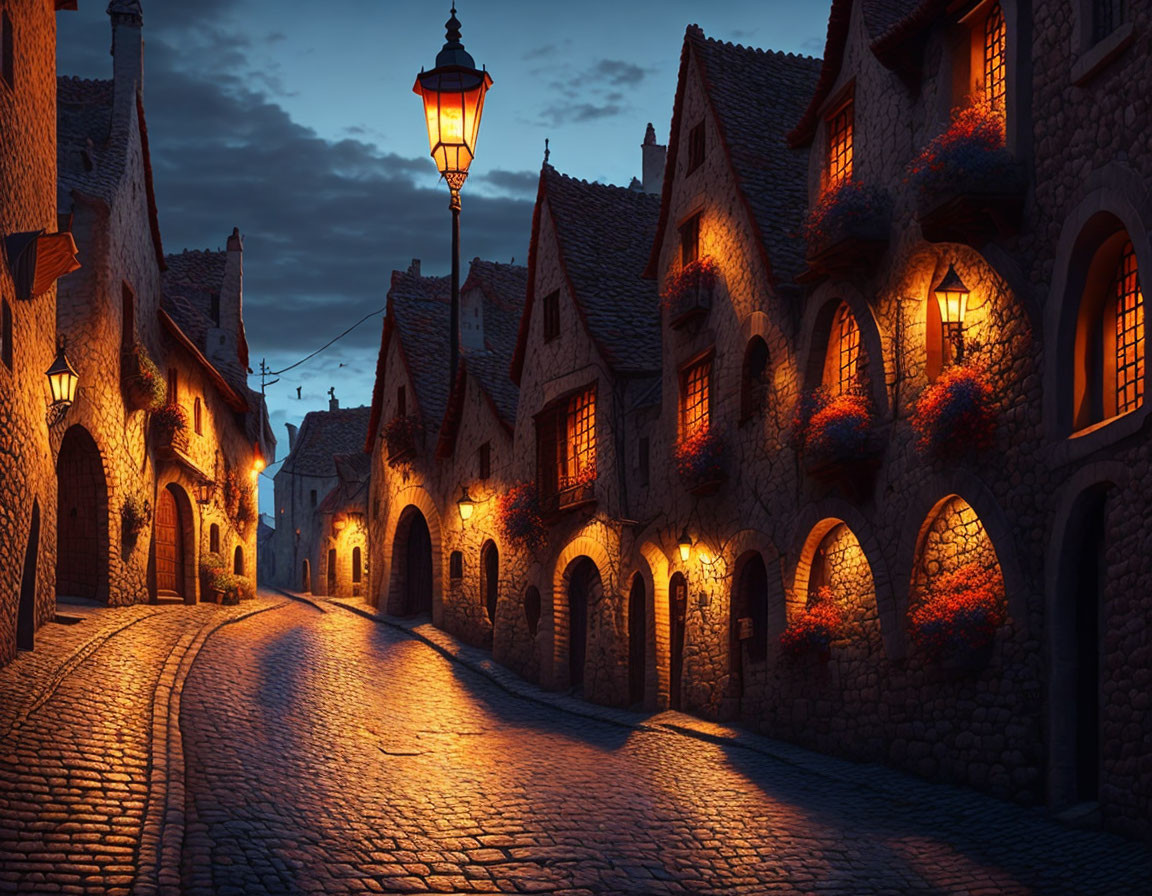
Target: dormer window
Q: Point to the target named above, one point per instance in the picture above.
(551, 316)
(696, 147)
(840, 128)
(690, 240)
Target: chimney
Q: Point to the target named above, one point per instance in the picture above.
(292, 430)
(228, 307)
(414, 268)
(127, 56)
(653, 158)
(333, 401)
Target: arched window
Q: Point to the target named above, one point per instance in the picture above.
(842, 363)
(754, 378)
(238, 561)
(1110, 336)
(456, 565)
(356, 570)
(214, 539)
(197, 420)
(489, 578)
(995, 55)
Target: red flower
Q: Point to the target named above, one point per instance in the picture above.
(520, 521)
(698, 275)
(850, 209)
(960, 610)
(700, 457)
(834, 425)
(969, 154)
(954, 415)
(813, 631)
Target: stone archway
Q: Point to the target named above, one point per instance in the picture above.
(26, 613)
(81, 518)
(411, 586)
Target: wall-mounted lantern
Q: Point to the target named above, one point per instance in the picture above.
(952, 295)
(62, 380)
(684, 542)
(205, 491)
(465, 504)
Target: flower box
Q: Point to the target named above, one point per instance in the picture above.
(809, 636)
(700, 462)
(402, 435)
(958, 614)
(969, 187)
(170, 431)
(955, 416)
(687, 295)
(847, 231)
(837, 437)
(576, 496)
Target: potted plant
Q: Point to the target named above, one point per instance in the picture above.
(810, 635)
(135, 514)
(402, 435)
(958, 614)
(687, 293)
(968, 185)
(244, 588)
(520, 519)
(170, 424)
(222, 584)
(144, 385)
(847, 229)
(836, 432)
(212, 575)
(700, 461)
(955, 416)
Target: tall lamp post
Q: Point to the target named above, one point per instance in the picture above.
(453, 95)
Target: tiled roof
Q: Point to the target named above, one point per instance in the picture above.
(504, 287)
(351, 494)
(605, 234)
(323, 435)
(85, 160)
(880, 16)
(420, 309)
(758, 96)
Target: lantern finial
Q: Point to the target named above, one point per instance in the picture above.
(453, 52)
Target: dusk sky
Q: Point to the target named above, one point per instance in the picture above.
(297, 124)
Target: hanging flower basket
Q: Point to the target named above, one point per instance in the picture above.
(836, 432)
(135, 514)
(144, 386)
(969, 186)
(402, 435)
(520, 519)
(959, 612)
(170, 425)
(955, 416)
(700, 462)
(847, 230)
(810, 635)
(687, 295)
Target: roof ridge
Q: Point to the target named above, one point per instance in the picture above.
(698, 32)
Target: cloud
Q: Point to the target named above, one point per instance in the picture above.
(618, 73)
(598, 90)
(580, 112)
(513, 183)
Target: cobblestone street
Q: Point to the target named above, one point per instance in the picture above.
(325, 752)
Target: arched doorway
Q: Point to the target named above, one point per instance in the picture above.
(489, 578)
(637, 639)
(172, 554)
(81, 518)
(412, 565)
(357, 573)
(306, 578)
(331, 572)
(584, 589)
(748, 620)
(677, 613)
(26, 614)
(238, 561)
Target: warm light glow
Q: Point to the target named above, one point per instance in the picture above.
(952, 295)
(62, 380)
(205, 490)
(685, 545)
(453, 106)
(465, 504)
(258, 465)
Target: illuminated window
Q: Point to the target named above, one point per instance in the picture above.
(846, 361)
(696, 147)
(1129, 333)
(840, 146)
(695, 384)
(551, 316)
(566, 443)
(7, 50)
(1107, 16)
(690, 240)
(995, 50)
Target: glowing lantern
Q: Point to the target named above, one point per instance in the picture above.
(952, 295)
(465, 504)
(685, 545)
(62, 380)
(205, 490)
(453, 95)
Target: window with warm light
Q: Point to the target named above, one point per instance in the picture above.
(566, 444)
(695, 389)
(1129, 303)
(551, 316)
(840, 126)
(696, 147)
(842, 367)
(690, 240)
(995, 55)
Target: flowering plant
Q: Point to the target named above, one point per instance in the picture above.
(954, 414)
(834, 426)
(134, 515)
(693, 278)
(700, 457)
(518, 511)
(171, 419)
(969, 155)
(146, 379)
(812, 632)
(850, 209)
(401, 434)
(582, 478)
(959, 610)
(211, 563)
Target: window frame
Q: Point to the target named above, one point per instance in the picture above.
(555, 439)
(703, 421)
(689, 230)
(551, 315)
(840, 120)
(697, 147)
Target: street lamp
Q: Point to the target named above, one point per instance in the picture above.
(465, 504)
(952, 295)
(205, 491)
(62, 380)
(685, 545)
(453, 94)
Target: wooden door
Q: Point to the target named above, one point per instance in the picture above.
(169, 546)
(81, 522)
(677, 611)
(418, 587)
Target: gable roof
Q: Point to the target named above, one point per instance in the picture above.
(887, 23)
(418, 315)
(351, 494)
(755, 96)
(323, 435)
(604, 234)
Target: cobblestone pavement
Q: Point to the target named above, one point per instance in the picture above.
(328, 753)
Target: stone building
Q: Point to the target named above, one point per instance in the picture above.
(158, 453)
(342, 530)
(309, 474)
(30, 261)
